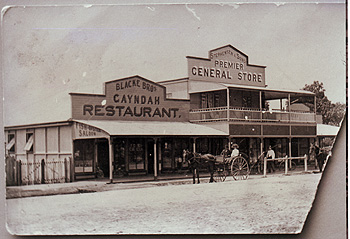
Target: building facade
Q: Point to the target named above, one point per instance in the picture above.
(141, 127)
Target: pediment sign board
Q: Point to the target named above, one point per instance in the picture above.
(132, 98)
(226, 65)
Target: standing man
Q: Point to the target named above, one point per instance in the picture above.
(270, 164)
(312, 153)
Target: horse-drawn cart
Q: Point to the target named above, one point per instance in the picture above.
(237, 167)
(220, 167)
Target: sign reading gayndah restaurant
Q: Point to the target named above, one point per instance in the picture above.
(133, 98)
(226, 65)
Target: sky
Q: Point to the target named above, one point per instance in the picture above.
(49, 52)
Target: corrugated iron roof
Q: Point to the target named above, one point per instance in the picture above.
(152, 128)
(327, 130)
(203, 86)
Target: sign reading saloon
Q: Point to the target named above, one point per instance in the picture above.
(226, 65)
(83, 131)
(133, 98)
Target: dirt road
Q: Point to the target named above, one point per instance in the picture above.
(277, 204)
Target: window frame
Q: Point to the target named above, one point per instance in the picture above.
(11, 140)
(29, 147)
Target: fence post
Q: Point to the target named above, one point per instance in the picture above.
(72, 169)
(53, 170)
(265, 166)
(286, 165)
(305, 162)
(19, 173)
(65, 170)
(43, 171)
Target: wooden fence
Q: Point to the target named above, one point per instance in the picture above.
(38, 172)
(287, 162)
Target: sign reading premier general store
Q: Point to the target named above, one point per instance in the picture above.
(226, 65)
(133, 98)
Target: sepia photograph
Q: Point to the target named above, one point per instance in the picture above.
(170, 119)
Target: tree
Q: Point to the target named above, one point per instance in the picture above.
(332, 114)
(335, 114)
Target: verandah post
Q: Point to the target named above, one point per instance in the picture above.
(228, 103)
(265, 166)
(286, 165)
(110, 159)
(155, 159)
(194, 144)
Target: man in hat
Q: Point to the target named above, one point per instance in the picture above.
(235, 151)
(270, 164)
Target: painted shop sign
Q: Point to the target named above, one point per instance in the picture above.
(84, 131)
(226, 65)
(133, 98)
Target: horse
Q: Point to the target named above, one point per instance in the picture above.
(195, 160)
(321, 159)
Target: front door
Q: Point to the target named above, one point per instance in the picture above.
(103, 156)
(150, 156)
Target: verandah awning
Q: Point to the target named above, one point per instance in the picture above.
(327, 130)
(203, 86)
(152, 128)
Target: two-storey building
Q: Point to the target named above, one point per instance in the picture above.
(141, 127)
(229, 94)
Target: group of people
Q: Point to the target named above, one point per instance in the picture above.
(228, 155)
(319, 155)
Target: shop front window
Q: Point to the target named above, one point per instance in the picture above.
(136, 154)
(167, 152)
(216, 146)
(84, 155)
(303, 147)
(202, 145)
(254, 149)
(119, 154)
(243, 145)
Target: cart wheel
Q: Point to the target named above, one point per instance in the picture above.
(239, 168)
(220, 175)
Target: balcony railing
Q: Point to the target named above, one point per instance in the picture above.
(250, 115)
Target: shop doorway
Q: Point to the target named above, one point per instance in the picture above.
(103, 156)
(150, 157)
(279, 145)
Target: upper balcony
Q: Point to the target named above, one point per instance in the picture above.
(215, 101)
(250, 115)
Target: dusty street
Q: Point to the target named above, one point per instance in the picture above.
(277, 204)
